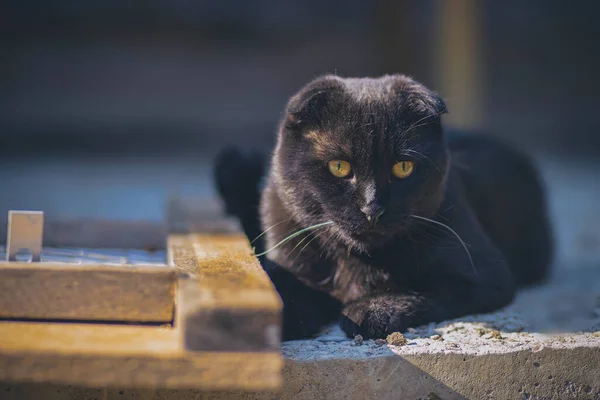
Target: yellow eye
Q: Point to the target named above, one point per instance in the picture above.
(339, 168)
(403, 169)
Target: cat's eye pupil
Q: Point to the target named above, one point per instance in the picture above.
(403, 169)
(339, 168)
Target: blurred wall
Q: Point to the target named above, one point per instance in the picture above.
(163, 76)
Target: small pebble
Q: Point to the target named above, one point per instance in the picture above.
(437, 337)
(495, 334)
(537, 348)
(380, 342)
(396, 339)
(358, 340)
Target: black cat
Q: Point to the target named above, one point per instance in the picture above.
(400, 223)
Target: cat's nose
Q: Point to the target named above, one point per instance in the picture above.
(373, 212)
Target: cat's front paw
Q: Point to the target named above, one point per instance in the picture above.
(368, 319)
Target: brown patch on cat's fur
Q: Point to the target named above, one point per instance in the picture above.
(324, 145)
(319, 142)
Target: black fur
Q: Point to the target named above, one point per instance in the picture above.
(402, 271)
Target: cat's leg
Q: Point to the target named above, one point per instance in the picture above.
(460, 281)
(507, 194)
(305, 310)
(379, 315)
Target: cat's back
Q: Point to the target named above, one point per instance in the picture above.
(506, 192)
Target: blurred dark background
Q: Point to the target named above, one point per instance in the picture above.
(108, 108)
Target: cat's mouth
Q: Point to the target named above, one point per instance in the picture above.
(368, 235)
(377, 235)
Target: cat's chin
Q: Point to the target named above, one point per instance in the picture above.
(367, 241)
(369, 237)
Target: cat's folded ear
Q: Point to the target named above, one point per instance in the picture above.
(312, 99)
(436, 103)
(420, 98)
(427, 101)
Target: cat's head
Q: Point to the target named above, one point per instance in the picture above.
(364, 153)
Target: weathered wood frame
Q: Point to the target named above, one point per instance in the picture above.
(220, 311)
(89, 292)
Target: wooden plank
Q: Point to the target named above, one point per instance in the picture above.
(225, 299)
(97, 292)
(127, 357)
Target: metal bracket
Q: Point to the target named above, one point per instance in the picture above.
(25, 230)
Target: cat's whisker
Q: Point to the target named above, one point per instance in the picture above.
(290, 232)
(418, 126)
(306, 245)
(410, 237)
(367, 124)
(300, 242)
(425, 157)
(268, 229)
(330, 239)
(293, 235)
(325, 281)
(422, 119)
(454, 233)
(431, 235)
(414, 125)
(427, 236)
(324, 246)
(438, 214)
